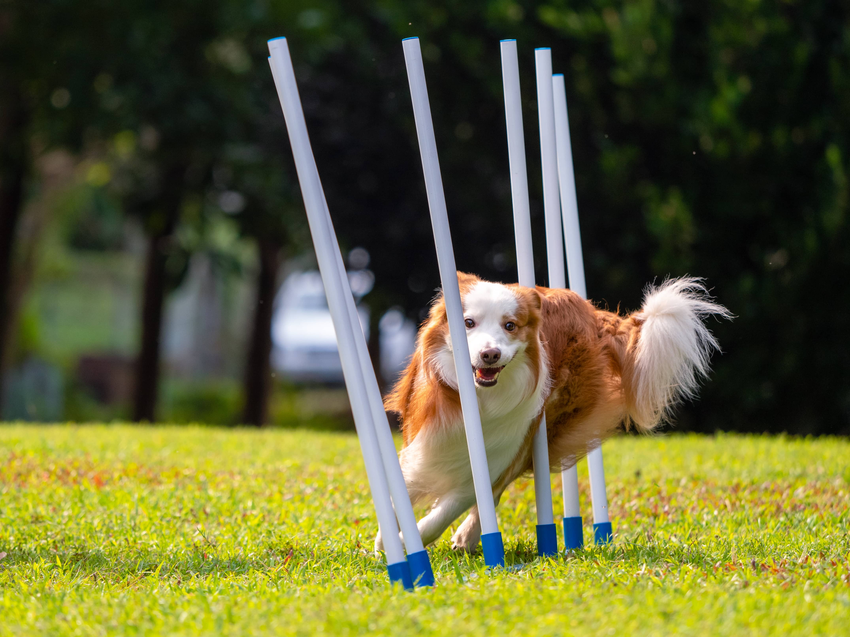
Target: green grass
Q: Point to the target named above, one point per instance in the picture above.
(188, 531)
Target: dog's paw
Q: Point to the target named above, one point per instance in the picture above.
(379, 545)
(468, 535)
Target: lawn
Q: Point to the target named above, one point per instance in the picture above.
(113, 530)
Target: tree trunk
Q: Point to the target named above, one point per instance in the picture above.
(13, 170)
(374, 345)
(147, 363)
(258, 364)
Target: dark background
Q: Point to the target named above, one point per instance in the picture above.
(709, 139)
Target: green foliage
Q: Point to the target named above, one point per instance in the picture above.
(709, 138)
(127, 530)
(91, 219)
(86, 303)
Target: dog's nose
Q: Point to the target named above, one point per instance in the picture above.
(491, 355)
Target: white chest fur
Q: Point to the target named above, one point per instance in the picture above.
(437, 461)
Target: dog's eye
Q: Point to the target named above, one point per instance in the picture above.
(470, 323)
(510, 326)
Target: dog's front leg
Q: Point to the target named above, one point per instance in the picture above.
(412, 471)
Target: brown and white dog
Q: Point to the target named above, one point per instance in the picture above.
(533, 350)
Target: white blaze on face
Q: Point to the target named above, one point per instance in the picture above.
(490, 306)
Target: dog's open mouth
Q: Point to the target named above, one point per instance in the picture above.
(487, 376)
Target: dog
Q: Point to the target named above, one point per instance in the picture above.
(536, 351)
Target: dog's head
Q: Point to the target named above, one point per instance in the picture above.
(501, 322)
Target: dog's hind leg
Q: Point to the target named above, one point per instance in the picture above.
(468, 534)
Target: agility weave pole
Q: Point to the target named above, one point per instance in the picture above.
(602, 530)
(383, 471)
(573, 534)
(417, 557)
(491, 538)
(547, 534)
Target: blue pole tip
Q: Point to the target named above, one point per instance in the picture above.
(406, 39)
(543, 48)
(420, 568)
(494, 550)
(547, 540)
(400, 572)
(603, 533)
(509, 40)
(557, 75)
(573, 533)
(276, 39)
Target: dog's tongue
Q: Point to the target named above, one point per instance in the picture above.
(487, 373)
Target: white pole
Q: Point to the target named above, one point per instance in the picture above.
(417, 557)
(567, 181)
(491, 538)
(547, 536)
(549, 159)
(555, 250)
(602, 530)
(311, 190)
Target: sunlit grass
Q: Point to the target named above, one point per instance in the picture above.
(185, 531)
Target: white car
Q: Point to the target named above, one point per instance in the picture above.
(304, 347)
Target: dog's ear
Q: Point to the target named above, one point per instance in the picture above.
(535, 299)
(465, 281)
(529, 296)
(438, 308)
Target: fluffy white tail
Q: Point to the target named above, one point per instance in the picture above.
(674, 348)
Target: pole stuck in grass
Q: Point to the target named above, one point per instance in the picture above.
(573, 534)
(491, 538)
(327, 252)
(547, 536)
(417, 557)
(602, 530)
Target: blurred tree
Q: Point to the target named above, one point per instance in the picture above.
(216, 134)
(32, 87)
(168, 86)
(14, 162)
(178, 72)
(253, 180)
(263, 206)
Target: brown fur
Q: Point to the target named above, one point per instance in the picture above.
(591, 369)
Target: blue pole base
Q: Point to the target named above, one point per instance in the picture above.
(494, 550)
(573, 533)
(603, 533)
(420, 568)
(547, 540)
(400, 572)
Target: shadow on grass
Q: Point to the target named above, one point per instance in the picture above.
(291, 563)
(521, 552)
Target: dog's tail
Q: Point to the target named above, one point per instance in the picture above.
(671, 354)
